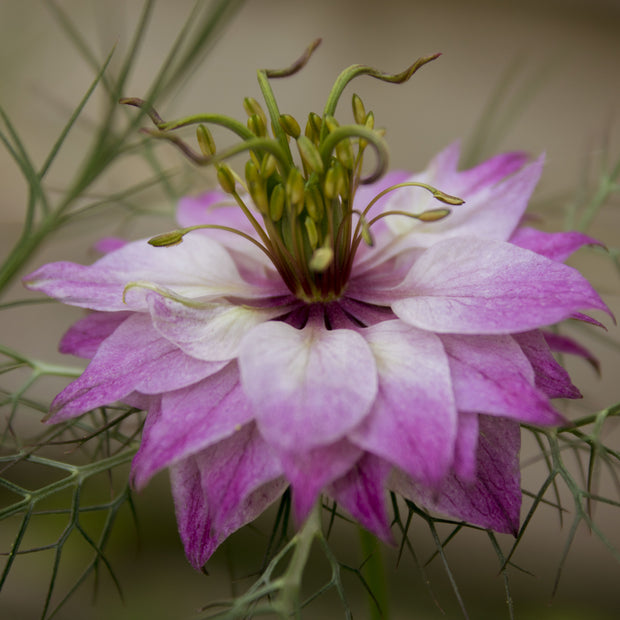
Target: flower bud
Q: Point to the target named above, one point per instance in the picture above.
(226, 178)
(276, 203)
(359, 113)
(205, 140)
(310, 154)
(256, 187)
(251, 106)
(290, 125)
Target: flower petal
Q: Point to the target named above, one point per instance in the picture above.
(556, 246)
(195, 268)
(190, 420)
(491, 374)
(310, 471)
(565, 344)
(361, 492)
(207, 331)
(466, 446)
(309, 386)
(550, 377)
(413, 421)
(221, 489)
(471, 286)
(134, 358)
(493, 500)
(85, 336)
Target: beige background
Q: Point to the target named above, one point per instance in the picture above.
(570, 47)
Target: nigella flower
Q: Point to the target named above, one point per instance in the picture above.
(334, 335)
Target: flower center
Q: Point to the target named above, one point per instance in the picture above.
(301, 186)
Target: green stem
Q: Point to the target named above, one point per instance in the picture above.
(374, 570)
(288, 599)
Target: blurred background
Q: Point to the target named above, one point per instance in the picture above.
(560, 60)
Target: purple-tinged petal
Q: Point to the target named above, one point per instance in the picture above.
(556, 246)
(309, 472)
(134, 358)
(491, 211)
(413, 421)
(109, 244)
(207, 331)
(361, 492)
(550, 377)
(565, 344)
(189, 420)
(309, 387)
(198, 267)
(84, 337)
(192, 512)
(466, 446)
(471, 286)
(493, 499)
(491, 374)
(580, 316)
(221, 489)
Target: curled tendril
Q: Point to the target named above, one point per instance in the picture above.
(356, 131)
(299, 64)
(356, 70)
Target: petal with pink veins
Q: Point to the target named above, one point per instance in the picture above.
(493, 499)
(207, 331)
(550, 377)
(151, 365)
(471, 286)
(222, 488)
(85, 336)
(189, 420)
(413, 421)
(556, 246)
(361, 492)
(492, 375)
(309, 387)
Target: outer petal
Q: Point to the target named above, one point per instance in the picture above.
(309, 472)
(565, 344)
(190, 420)
(310, 386)
(556, 246)
(492, 209)
(551, 378)
(470, 286)
(490, 374)
(195, 268)
(221, 489)
(466, 446)
(413, 421)
(84, 337)
(134, 358)
(362, 493)
(493, 500)
(207, 331)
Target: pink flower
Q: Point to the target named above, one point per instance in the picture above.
(326, 332)
(413, 377)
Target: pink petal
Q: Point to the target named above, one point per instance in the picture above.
(84, 337)
(565, 344)
(309, 472)
(493, 500)
(207, 331)
(197, 267)
(551, 378)
(221, 489)
(105, 245)
(189, 420)
(556, 246)
(466, 446)
(134, 358)
(361, 492)
(491, 374)
(413, 421)
(309, 387)
(471, 286)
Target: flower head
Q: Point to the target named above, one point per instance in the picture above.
(343, 335)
